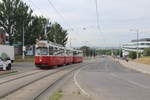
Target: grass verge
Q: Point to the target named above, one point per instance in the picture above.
(27, 59)
(56, 95)
(144, 60)
(7, 72)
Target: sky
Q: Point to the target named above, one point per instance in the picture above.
(116, 19)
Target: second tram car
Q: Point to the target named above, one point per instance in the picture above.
(69, 56)
(48, 54)
(77, 56)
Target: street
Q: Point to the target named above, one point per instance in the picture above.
(101, 78)
(21, 67)
(27, 85)
(106, 79)
(24, 66)
(74, 50)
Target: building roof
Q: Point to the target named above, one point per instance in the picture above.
(144, 39)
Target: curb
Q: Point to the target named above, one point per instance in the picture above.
(136, 69)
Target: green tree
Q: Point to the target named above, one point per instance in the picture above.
(23, 17)
(86, 50)
(146, 52)
(121, 53)
(132, 55)
(116, 52)
(14, 15)
(57, 34)
(104, 51)
(7, 15)
(16, 18)
(36, 30)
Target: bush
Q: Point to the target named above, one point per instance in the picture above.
(146, 52)
(132, 55)
(140, 54)
(4, 56)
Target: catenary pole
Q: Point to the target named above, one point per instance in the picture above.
(23, 48)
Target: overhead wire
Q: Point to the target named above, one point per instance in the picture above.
(98, 20)
(59, 13)
(97, 14)
(52, 5)
(55, 9)
(35, 6)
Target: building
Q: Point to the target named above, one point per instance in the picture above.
(136, 46)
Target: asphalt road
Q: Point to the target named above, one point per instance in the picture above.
(108, 80)
(23, 66)
(26, 86)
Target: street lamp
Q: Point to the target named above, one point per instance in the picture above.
(70, 39)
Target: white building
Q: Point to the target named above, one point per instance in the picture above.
(136, 46)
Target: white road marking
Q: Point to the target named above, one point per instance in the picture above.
(77, 84)
(129, 81)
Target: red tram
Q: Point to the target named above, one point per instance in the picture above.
(48, 54)
(77, 56)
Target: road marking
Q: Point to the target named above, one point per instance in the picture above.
(77, 84)
(129, 81)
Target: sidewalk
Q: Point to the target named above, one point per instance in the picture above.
(144, 68)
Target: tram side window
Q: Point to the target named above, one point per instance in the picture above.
(75, 53)
(67, 52)
(55, 51)
(62, 52)
(51, 50)
(42, 51)
(70, 53)
(80, 53)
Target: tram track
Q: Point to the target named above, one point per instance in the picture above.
(54, 83)
(18, 76)
(10, 78)
(19, 87)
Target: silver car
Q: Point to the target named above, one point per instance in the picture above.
(5, 64)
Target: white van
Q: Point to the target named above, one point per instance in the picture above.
(9, 50)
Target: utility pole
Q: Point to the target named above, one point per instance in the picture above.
(23, 47)
(137, 43)
(70, 42)
(45, 31)
(112, 52)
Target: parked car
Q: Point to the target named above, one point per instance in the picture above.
(5, 64)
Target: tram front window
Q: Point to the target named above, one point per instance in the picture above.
(42, 51)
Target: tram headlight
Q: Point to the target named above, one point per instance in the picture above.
(40, 59)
